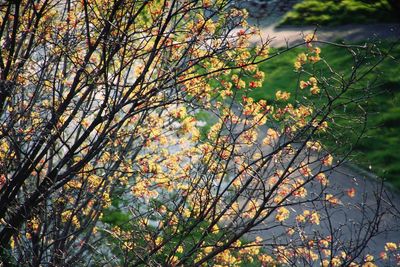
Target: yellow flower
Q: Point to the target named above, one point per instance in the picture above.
(331, 199)
(282, 95)
(179, 249)
(179, 112)
(215, 229)
(297, 65)
(315, 90)
(351, 192)
(174, 260)
(314, 58)
(336, 261)
(314, 218)
(265, 258)
(313, 81)
(321, 177)
(34, 223)
(300, 218)
(323, 243)
(369, 257)
(107, 200)
(290, 231)
(390, 246)
(327, 160)
(66, 216)
(301, 60)
(249, 137)
(369, 264)
(310, 37)
(282, 214)
(305, 170)
(304, 84)
(271, 136)
(241, 84)
(325, 263)
(158, 240)
(383, 255)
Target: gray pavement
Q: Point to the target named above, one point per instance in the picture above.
(289, 35)
(347, 221)
(283, 36)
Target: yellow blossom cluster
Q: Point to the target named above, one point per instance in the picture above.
(312, 83)
(312, 56)
(311, 216)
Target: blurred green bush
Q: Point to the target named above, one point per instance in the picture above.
(337, 12)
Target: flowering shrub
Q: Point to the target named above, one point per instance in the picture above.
(102, 157)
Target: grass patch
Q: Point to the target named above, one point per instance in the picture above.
(339, 12)
(380, 146)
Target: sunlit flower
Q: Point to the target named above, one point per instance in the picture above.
(390, 246)
(282, 95)
(282, 214)
(327, 160)
(351, 192)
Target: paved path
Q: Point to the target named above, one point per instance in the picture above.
(346, 218)
(284, 36)
(289, 35)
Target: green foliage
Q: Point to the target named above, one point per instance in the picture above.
(209, 120)
(113, 215)
(338, 12)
